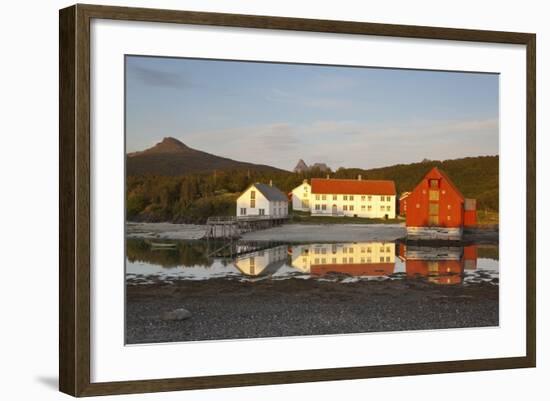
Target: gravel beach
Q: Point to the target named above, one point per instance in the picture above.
(230, 309)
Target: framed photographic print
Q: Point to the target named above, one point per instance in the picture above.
(299, 200)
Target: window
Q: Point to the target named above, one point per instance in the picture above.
(369, 260)
(363, 197)
(344, 250)
(252, 203)
(324, 207)
(324, 197)
(369, 250)
(345, 207)
(323, 251)
(382, 198)
(316, 251)
(382, 250)
(388, 249)
(316, 261)
(434, 195)
(362, 260)
(369, 208)
(317, 207)
(369, 198)
(362, 250)
(345, 197)
(323, 260)
(334, 197)
(252, 194)
(388, 208)
(317, 197)
(344, 260)
(262, 212)
(387, 258)
(351, 197)
(350, 260)
(334, 261)
(382, 208)
(381, 259)
(243, 211)
(362, 208)
(350, 250)
(350, 207)
(434, 184)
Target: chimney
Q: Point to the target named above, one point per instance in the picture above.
(270, 183)
(359, 177)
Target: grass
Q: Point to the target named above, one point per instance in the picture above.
(487, 217)
(306, 218)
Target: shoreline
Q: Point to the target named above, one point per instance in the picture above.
(311, 233)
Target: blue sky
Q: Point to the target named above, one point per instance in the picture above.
(278, 113)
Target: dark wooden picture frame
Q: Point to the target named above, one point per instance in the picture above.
(74, 204)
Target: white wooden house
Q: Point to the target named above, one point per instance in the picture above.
(262, 200)
(264, 262)
(301, 197)
(348, 197)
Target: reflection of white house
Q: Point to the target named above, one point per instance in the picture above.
(362, 258)
(262, 262)
(300, 197)
(360, 198)
(262, 200)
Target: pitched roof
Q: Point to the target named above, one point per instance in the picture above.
(439, 173)
(270, 192)
(352, 187)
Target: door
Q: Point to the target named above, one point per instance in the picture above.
(334, 210)
(433, 215)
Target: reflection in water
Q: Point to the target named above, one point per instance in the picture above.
(442, 265)
(264, 262)
(354, 259)
(346, 262)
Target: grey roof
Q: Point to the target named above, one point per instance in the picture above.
(271, 193)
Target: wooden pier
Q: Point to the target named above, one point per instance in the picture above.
(233, 227)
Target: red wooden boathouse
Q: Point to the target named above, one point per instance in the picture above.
(436, 209)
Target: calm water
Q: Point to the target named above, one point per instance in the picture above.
(150, 261)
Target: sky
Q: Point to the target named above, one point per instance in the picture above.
(276, 114)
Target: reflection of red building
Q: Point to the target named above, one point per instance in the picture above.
(439, 265)
(436, 203)
(358, 269)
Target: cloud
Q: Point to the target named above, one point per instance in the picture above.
(158, 78)
(315, 102)
(350, 143)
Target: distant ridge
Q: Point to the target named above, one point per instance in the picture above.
(172, 157)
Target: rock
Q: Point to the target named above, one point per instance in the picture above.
(177, 314)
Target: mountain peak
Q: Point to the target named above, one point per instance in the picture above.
(167, 145)
(172, 157)
(301, 167)
(170, 144)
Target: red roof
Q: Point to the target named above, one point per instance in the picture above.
(352, 187)
(357, 269)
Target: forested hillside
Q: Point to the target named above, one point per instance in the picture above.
(194, 197)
